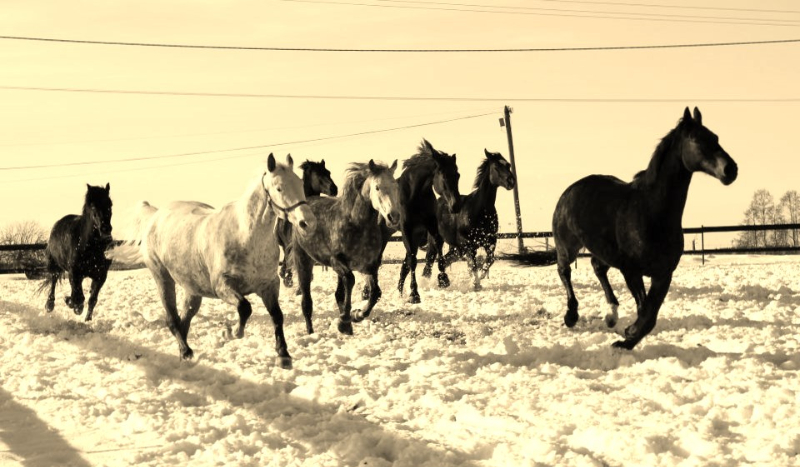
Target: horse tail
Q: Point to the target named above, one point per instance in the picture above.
(129, 253)
(532, 258)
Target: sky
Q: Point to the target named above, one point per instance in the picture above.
(575, 113)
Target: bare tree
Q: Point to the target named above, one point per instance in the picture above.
(790, 208)
(761, 211)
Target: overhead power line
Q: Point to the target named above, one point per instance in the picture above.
(260, 146)
(592, 14)
(404, 98)
(687, 7)
(328, 49)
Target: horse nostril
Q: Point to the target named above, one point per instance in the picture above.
(731, 171)
(303, 225)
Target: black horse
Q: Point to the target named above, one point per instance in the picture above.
(348, 237)
(636, 227)
(316, 181)
(475, 226)
(426, 171)
(77, 246)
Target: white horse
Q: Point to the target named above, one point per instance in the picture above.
(223, 253)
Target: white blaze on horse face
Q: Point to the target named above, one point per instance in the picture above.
(694, 160)
(384, 198)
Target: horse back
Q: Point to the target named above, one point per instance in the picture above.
(613, 220)
(62, 245)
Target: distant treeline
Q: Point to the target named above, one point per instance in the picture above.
(763, 211)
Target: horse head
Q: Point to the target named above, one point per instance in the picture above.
(318, 178)
(285, 193)
(97, 208)
(380, 187)
(500, 173)
(445, 178)
(701, 151)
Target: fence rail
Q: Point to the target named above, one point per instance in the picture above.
(702, 230)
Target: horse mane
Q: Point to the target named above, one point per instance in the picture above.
(664, 147)
(355, 176)
(483, 169)
(422, 160)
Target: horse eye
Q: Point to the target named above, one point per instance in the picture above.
(280, 189)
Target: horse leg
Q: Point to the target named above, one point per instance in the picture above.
(565, 273)
(339, 294)
(97, 284)
(270, 299)
(304, 265)
(489, 247)
(601, 271)
(404, 269)
(166, 290)
(76, 299)
(648, 312)
(443, 280)
(286, 267)
(636, 286)
(375, 295)
(229, 293)
(345, 320)
(413, 294)
(472, 263)
(52, 279)
(430, 257)
(191, 305)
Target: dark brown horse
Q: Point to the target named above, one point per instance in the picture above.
(316, 181)
(77, 246)
(636, 227)
(475, 226)
(427, 171)
(348, 238)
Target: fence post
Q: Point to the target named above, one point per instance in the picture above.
(703, 244)
(507, 122)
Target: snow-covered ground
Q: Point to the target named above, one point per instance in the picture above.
(486, 379)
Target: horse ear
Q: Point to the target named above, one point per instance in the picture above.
(372, 165)
(454, 158)
(486, 152)
(289, 160)
(108, 188)
(271, 164)
(698, 117)
(88, 187)
(427, 144)
(322, 162)
(686, 115)
(393, 167)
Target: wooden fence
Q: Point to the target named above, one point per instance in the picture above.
(702, 231)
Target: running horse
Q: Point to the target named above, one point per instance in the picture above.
(225, 253)
(428, 171)
(316, 181)
(636, 227)
(348, 238)
(475, 226)
(77, 246)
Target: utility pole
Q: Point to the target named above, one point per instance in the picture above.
(507, 121)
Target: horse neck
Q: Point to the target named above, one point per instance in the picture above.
(86, 231)
(484, 196)
(417, 182)
(360, 212)
(253, 209)
(308, 187)
(666, 186)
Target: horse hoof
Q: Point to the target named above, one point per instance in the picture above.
(287, 281)
(284, 362)
(239, 332)
(346, 328)
(426, 272)
(414, 299)
(477, 287)
(50, 305)
(627, 345)
(444, 281)
(187, 354)
(358, 316)
(611, 321)
(570, 320)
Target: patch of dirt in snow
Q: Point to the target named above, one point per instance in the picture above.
(464, 378)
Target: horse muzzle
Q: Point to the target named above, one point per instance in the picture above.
(729, 173)
(393, 219)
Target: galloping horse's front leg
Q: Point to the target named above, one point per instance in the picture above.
(304, 266)
(489, 246)
(472, 263)
(374, 296)
(166, 290)
(52, 278)
(648, 313)
(345, 320)
(97, 284)
(76, 299)
(270, 299)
